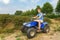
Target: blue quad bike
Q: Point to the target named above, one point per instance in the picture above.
(31, 28)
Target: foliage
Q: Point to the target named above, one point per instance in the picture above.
(47, 8)
(8, 31)
(18, 12)
(19, 20)
(31, 12)
(46, 19)
(18, 38)
(5, 19)
(53, 16)
(16, 20)
(27, 13)
(58, 7)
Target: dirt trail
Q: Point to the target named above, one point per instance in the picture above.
(56, 36)
(40, 36)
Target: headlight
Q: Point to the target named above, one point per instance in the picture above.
(24, 23)
(28, 25)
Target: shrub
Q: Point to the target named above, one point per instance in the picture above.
(4, 20)
(52, 16)
(18, 21)
(47, 19)
(8, 31)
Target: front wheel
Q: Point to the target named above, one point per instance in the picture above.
(31, 32)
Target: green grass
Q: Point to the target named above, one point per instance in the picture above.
(18, 38)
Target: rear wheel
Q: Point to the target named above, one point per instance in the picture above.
(31, 32)
(46, 29)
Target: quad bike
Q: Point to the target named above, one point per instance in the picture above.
(31, 28)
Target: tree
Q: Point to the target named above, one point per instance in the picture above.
(58, 7)
(47, 8)
(32, 12)
(26, 13)
(18, 12)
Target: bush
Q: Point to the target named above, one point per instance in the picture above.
(8, 31)
(19, 20)
(4, 20)
(46, 19)
(52, 16)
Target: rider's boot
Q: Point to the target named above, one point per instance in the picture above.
(38, 29)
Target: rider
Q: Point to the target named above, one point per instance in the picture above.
(39, 18)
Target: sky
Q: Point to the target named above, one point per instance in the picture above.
(10, 6)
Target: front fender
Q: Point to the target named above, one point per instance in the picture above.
(30, 24)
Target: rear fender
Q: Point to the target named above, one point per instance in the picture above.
(43, 25)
